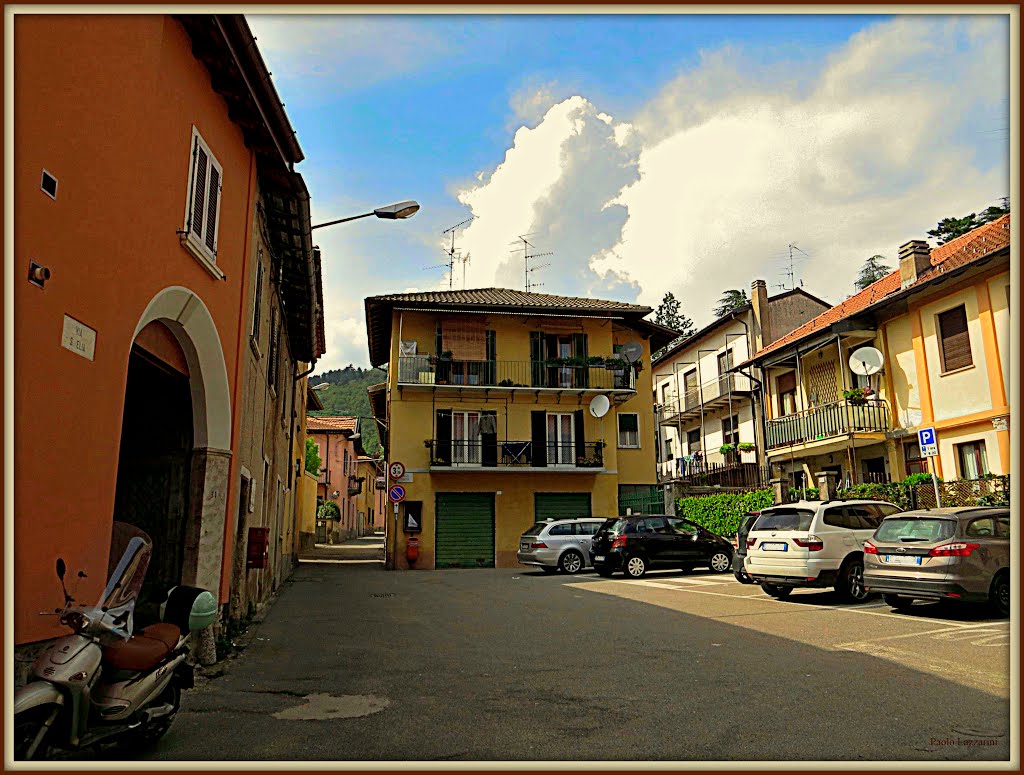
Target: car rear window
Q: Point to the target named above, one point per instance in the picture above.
(613, 526)
(910, 530)
(784, 519)
(587, 528)
(536, 528)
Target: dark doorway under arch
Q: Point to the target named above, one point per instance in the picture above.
(153, 473)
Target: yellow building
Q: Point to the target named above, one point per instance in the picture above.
(488, 409)
(942, 325)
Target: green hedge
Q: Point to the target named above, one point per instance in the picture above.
(328, 510)
(721, 513)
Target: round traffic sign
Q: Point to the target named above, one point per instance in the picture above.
(397, 470)
(396, 493)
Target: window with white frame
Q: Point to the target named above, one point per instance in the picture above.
(202, 212)
(629, 430)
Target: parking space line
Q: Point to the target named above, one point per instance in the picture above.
(948, 629)
(857, 609)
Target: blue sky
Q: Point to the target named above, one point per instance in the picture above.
(618, 138)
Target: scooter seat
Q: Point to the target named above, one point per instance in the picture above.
(143, 650)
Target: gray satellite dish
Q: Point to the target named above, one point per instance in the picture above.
(632, 351)
(599, 406)
(866, 361)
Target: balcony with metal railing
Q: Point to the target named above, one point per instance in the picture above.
(462, 455)
(828, 421)
(563, 374)
(713, 394)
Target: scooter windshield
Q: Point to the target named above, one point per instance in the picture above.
(130, 550)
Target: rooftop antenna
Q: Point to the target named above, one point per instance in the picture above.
(452, 253)
(527, 256)
(790, 273)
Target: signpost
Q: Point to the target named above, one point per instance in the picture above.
(397, 470)
(929, 443)
(396, 493)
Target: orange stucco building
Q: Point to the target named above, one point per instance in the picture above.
(140, 145)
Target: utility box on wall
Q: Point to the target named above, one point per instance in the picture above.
(258, 552)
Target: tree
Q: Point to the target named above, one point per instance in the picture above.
(951, 228)
(313, 461)
(873, 270)
(668, 315)
(731, 300)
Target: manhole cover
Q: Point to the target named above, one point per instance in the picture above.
(320, 707)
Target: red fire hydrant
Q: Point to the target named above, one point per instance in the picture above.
(412, 550)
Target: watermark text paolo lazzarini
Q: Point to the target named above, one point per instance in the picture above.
(973, 741)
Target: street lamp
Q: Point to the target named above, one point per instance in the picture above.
(320, 386)
(397, 211)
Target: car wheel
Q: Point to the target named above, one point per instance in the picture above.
(603, 571)
(635, 567)
(571, 562)
(897, 601)
(546, 569)
(1000, 594)
(777, 591)
(851, 582)
(720, 562)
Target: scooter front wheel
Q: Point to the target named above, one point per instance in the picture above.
(31, 733)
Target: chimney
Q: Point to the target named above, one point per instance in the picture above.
(915, 261)
(762, 321)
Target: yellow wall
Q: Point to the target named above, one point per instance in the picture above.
(305, 501)
(997, 288)
(964, 391)
(412, 412)
(901, 366)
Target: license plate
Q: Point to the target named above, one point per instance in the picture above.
(598, 558)
(897, 559)
(775, 547)
(524, 547)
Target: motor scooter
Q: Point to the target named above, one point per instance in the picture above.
(104, 682)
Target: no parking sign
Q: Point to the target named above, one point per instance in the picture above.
(396, 493)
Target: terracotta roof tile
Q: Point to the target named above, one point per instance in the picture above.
(965, 249)
(322, 423)
(506, 297)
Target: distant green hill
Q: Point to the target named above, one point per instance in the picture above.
(347, 396)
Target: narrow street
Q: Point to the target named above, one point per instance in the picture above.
(355, 663)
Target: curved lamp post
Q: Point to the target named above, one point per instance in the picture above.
(397, 211)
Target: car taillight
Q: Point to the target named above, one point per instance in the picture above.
(751, 542)
(811, 543)
(539, 545)
(619, 543)
(959, 549)
(870, 548)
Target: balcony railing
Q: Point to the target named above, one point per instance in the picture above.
(827, 421)
(714, 393)
(430, 370)
(515, 454)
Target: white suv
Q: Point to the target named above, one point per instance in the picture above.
(814, 544)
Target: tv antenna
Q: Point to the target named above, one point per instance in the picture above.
(455, 255)
(527, 257)
(790, 273)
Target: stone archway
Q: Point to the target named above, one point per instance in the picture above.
(189, 320)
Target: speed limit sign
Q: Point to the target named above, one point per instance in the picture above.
(397, 470)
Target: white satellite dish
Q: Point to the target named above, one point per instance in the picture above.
(632, 351)
(866, 361)
(599, 406)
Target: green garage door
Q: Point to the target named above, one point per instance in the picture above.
(561, 505)
(465, 530)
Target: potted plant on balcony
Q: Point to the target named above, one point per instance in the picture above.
(727, 449)
(746, 446)
(858, 396)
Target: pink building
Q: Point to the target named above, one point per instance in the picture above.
(338, 441)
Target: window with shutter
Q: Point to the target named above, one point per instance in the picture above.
(257, 297)
(272, 354)
(202, 210)
(955, 341)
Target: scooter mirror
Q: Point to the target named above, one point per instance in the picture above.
(61, 568)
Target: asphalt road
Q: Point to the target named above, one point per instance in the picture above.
(357, 663)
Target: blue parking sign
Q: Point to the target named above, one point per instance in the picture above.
(928, 442)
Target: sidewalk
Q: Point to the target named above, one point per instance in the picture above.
(366, 549)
